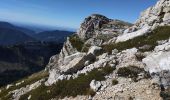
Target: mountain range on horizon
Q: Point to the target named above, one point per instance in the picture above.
(11, 34)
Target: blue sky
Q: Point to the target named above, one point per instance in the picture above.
(69, 13)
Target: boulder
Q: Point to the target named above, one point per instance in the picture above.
(95, 85)
(158, 64)
(75, 62)
(95, 50)
(128, 58)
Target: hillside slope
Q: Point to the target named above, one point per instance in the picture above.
(99, 63)
(12, 36)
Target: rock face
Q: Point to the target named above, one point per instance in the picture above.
(158, 63)
(96, 24)
(66, 51)
(90, 25)
(151, 18)
(156, 15)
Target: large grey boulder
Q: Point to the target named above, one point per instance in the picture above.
(75, 62)
(158, 63)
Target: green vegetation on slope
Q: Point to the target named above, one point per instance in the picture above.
(27, 81)
(161, 33)
(132, 72)
(72, 87)
(114, 82)
(76, 42)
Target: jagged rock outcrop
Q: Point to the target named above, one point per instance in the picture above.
(158, 15)
(90, 25)
(155, 16)
(67, 50)
(96, 24)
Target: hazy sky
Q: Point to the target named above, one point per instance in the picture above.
(69, 13)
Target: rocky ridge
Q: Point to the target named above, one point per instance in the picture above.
(84, 70)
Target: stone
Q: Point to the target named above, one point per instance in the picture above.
(8, 86)
(53, 77)
(115, 51)
(87, 63)
(95, 50)
(95, 85)
(75, 62)
(103, 56)
(145, 47)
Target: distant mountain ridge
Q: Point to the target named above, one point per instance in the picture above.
(11, 34)
(52, 36)
(11, 26)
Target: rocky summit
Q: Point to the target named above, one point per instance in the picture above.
(106, 60)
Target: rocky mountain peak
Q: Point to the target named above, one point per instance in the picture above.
(97, 24)
(157, 15)
(90, 24)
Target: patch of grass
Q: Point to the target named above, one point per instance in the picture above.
(76, 42)
(29, 80)
(161, 33)
(72, 87)
(130, 72)
(114, 82)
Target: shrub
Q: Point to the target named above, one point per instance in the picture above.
(114, 82)
(76, 42)
(72, 87)
(161, 33)
(130, 72)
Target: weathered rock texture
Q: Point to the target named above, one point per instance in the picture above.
(158, 15)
